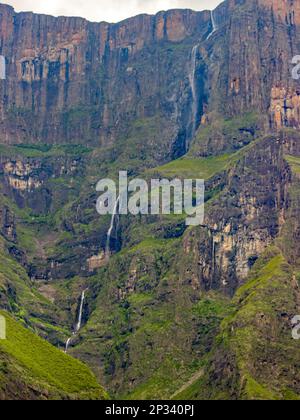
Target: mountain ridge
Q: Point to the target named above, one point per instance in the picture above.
(169, 96)
(103, 21)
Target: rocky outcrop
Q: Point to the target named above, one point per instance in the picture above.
(19, 177)
(32, 182)
(288, 11)
(285, 107)
(250, 60)
(96, 261)
(7, 224)
(72, 81)
(245, 219)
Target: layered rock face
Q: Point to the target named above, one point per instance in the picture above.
(72, 81)
(7, 224)
(251, 60)
(244, 221)
(286, 10)
(217, 89)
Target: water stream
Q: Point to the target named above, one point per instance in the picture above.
(193, 79)
(2, 68)
(111, 227)
(79, 321)
(193, 85)
(214, 24)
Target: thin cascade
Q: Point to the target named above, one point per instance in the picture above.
(78, 326)
(68, 343)
(193, 80)
(213, 23)
(79, 321)
(193, 85)
(2, 68)
(111, 227)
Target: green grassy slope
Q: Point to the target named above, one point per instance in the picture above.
(203, 168)
(30, 368)
(149, 330)
(255, 357)
(155, 335)
(147, 326)
(19, 295)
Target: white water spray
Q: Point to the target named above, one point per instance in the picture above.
(111, 227)
(193, 79)
(214, 24)
(68, 344)
(213, 253)
(79, 322)
(78, 326)
(193, 85)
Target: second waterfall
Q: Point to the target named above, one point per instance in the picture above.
(79, 321)
(111, 227)
(193, 86)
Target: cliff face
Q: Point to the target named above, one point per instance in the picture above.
(288, 11)
(83, 100)
(72, 81)
(250, 60)
(243, 221)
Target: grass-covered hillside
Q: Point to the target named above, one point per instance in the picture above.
(31, 368)
(158, 316)
(255, 356)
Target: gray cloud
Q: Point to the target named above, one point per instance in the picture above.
(109, 10)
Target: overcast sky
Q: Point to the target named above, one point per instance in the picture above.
(108, 10)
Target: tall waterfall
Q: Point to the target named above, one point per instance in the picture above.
(79, 321)
(193, 79)
(111, 227)
(2, 68)
(214, 24)
(78, 326)
(193, 85)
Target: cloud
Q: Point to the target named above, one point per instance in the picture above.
(108, 10)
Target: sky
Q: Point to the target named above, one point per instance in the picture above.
(107, 10)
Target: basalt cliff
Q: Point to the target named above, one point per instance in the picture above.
(173, 311)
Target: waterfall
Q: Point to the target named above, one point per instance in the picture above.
(79, 321)
(214, 24)
(2, 68)
(193, 85)
(111, 227)
(193, 79)
(68, 343)
(78, 326)
(213, 254)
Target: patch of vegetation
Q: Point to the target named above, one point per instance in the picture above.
(201, 168)
(31, 151)
(227, 135)
(35, 364)
(294, 163)
(255, 340)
